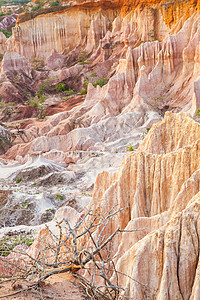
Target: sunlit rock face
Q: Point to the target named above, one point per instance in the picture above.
(87, 23)
(3, 46)
(151, 79)
(158, 185)
(149, 54)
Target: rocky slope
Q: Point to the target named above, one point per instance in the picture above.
(160, 182)
(159, 188)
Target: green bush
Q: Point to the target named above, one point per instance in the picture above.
(7, 33)
(130, 148)
(85, 86)
(38, 103)
(152, 36)
(197, 113)
(18, 180)
(37, 64)
(93, 75)
(8, 243)
(61, 87)
(83, 63)
(83, 56)
(69, 92)
(54, 3)
(43, 88)
(101, 82)
(59, 197)
(38, 6)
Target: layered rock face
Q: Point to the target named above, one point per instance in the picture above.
(152, 78)
(60, 31)
(146, 53)
(145, 80)
(159, 186)
(89, 22)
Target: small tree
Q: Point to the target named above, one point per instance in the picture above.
(85, 247)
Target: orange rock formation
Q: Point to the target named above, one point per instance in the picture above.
(36, 34)
(158, 185)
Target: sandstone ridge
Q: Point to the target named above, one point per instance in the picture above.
(159, 191)
(80, 18)
(161, 186)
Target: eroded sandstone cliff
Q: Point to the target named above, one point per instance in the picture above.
(87, 23)
(147, 55)
(159, 191)
(160, 186)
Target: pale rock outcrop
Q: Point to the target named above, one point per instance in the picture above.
(3, 40)
(87, 23)
(130, 91)
(158, 187)
(13, 62)
(161, 186)
(55, 60)
(17, 78)
(8, 21)
(57, 31)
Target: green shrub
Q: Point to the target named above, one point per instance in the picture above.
(83, 63)
(59, 197)
(54, 3)
(8, 243)
(61, 87)
(197, 113)
(141, 42)
(93, 75)
(18, 180)
(152, 36)
(38, 103)
(101, 82)
(1, 56)
(25, 205)
(69, 92)
(43, 88)
(85, 86)
(83, 56)
(37, 64)
(7, 33)
(83, 92)
(38, 6)
(130, 148)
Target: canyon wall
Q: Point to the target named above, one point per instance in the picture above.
(35, 36)
(148, 54)
(158, 185)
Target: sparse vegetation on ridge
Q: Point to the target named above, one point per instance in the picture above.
(37, 64)
(8, 243)
(7, 33)
(54, 3)
(101, 82)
